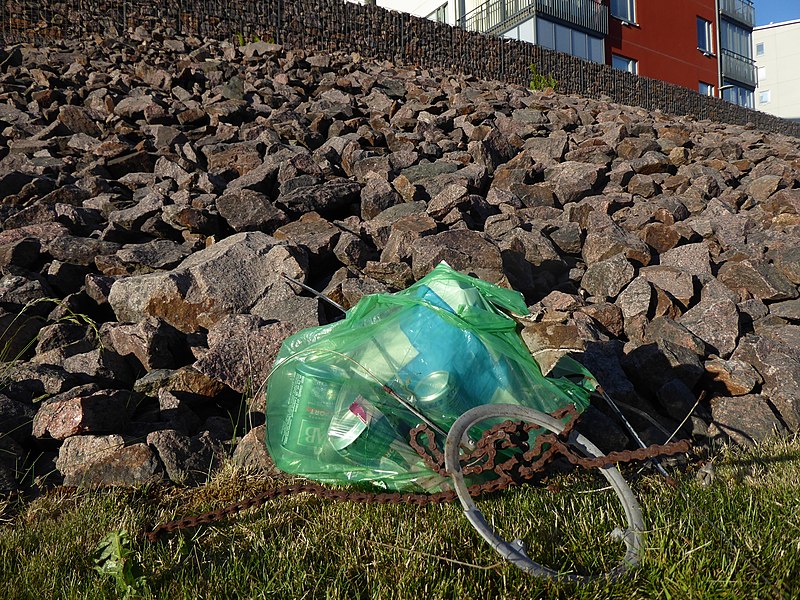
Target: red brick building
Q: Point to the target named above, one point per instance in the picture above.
(664, 40)
(705, 45)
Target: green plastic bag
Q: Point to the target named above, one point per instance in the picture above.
(444, 345)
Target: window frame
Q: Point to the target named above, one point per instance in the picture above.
(630, 10)
(631, 64)
(708, 31)
(759, 48)
(738, 94)
(708, 91)
(550, 29)
(761, 97)
(439, 11)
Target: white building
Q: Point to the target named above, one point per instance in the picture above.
(777, 55)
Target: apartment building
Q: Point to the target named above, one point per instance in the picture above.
(777, 55)
(704, 45)
(671, 41)
(737, 68)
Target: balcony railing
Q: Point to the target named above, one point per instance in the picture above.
(497, 16)
(738, 67)
(740, 10)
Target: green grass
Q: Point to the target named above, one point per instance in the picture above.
(736, 538)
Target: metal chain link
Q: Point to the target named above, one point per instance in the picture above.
(498, 440)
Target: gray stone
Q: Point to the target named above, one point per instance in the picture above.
(604, 239)
(676, 398)
(757, 278)
(187, 460)
(788, 309)
(652, 365)
(715, 319)
(247, 210)
(100, 364)
(677, 283)
(464, 250)
(405, 234)
(93, 413)
(424, 171)
(155, 344)
(763, 187)
(86, 460)
(26, 382)
(79, 250)
(451, 197)
(736, 377)
(227, 278)
(352, 251)
(691, 258)
(251, 453)
(380, 227)
(664, 328)
(607, 278)
(651, 162)
(396, 275)
(155, 254)
(187, 382)
(80, 120)
(241, 351)
(312, 232)
(636, 299)
(787, 260)
(377, 195)
(746, 420)
(326, 199)
(573, 180)
(15, 419)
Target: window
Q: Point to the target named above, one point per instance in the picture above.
(706, 89)
(764, 97)
(545, 34)
(762, 74)
(624, 10)
(736, 39)
(579, 45)
(737, 93)
(704, 36)
(597, 51)
(563, 39)
(570, 41)
(760, 49)
(439, 15)
(623, 64)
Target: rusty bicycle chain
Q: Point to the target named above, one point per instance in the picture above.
(503, 436)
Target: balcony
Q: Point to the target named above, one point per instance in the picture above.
(496, 16)
(739, 10)
(738, 67)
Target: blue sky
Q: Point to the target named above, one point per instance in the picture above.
(775, 11)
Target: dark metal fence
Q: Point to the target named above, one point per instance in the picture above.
(327, 25)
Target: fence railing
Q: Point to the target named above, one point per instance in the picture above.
(738, 67)
(497, 16)
(741, 10)
(589, 14)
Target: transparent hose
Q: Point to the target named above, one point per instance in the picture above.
(515, 551)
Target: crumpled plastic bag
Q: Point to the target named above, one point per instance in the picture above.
(444, 345)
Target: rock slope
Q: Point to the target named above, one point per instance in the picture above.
(154, 191)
